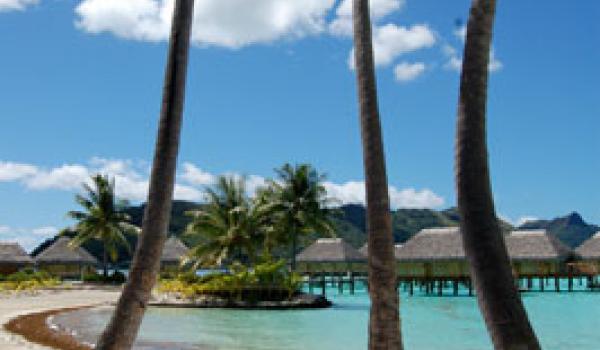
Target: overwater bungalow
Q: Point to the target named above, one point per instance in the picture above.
(330, 255)
(172, 254)
(64, 261)
(536, 253)
(13, 258)
(433, 253)
(589, 253)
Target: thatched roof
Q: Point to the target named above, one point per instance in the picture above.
(433, 244)
(330, 250)
(13, 253)
(536, 245)
(364, 250)
(61, 253)
(173, 250)
(590, 249)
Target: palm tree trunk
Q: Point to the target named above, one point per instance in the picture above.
(123, 327)
(384, 321)
(105, 262)
(294, 248)
(498, 298)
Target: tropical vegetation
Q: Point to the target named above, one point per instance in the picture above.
(265, 281)
(102, 219)
(27, 280)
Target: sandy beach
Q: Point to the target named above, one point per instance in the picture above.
(15, 305)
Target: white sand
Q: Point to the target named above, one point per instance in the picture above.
(12, 306)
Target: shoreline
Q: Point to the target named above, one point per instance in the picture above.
(27, 314)
(35, 329)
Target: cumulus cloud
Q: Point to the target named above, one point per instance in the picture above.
(391, 41)
(353, 192)
(408, 71)
(28, 238)
(342, 23)
(231, 23)
(131, 182)
(16, 5)
(15, 171)
(196, 176)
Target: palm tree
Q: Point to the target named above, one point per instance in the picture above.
(299, 202)
(497, 295)
(101, 219)
(122, 329)
(384, 321)
(228, 226)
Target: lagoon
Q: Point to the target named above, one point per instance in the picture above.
(562, 321)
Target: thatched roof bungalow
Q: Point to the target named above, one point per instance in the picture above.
(330, 255)
(172, 254)
(433, 253)
(13, 258)
(590, 249)
(65, 261)
(537, 253)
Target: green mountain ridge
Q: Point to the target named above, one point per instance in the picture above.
(350, 225)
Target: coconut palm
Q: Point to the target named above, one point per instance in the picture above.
(497, 295)
(122, 329)
(101, 219)
(384, 321)
(299, 203)
(228, 227)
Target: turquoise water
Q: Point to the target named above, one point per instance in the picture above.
(562, 321)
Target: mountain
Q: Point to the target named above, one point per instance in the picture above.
(350, 224)
(570, 229)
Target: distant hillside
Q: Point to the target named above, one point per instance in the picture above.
(571, 229)
(350, 225)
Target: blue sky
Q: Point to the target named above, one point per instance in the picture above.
(270, 82)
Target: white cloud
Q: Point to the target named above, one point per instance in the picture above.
(131, 182)
(231, 23)
(15, 171)
(28, 238)
(391, 41)
(66, 177)
(353, 192)
(16, 5)
(196, 176)
(45, 231)
(408, 71)
(342, 23)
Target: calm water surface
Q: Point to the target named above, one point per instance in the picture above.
(563, 321)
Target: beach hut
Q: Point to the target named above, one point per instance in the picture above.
(589, 251)
(64, 261)
(536, 253)
(433, 253)
(13, 258)
(172, 254)
(330, 255)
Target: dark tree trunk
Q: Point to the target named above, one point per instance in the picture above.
(105, 262)
(498, 298)
(384, 320)
(123, 327)
(294, 248)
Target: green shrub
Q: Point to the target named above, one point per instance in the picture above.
(116, 277)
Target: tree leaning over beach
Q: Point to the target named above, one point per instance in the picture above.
(497, 295)
(123, 327)
(384, 319)
(101, 219)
